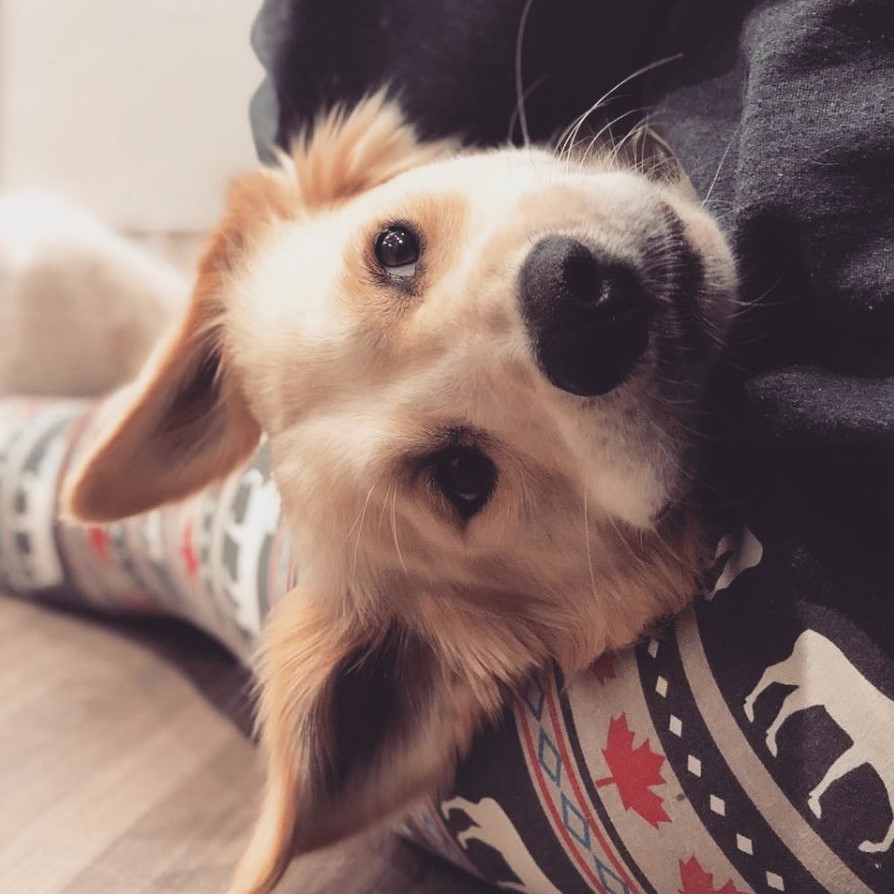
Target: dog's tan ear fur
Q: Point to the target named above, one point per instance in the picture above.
(187, 422)
(347, 152)
(358, 725)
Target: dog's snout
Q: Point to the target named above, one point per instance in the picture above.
(587, 316)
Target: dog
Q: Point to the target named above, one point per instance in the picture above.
(480, 376)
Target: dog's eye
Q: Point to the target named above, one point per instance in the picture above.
(397, 250)
(466, 477)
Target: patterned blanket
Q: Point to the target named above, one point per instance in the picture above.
(750, 748)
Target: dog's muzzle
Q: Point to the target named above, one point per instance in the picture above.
(587, 315)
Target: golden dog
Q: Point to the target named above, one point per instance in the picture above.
(478, 373)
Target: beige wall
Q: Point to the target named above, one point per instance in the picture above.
(136, 108)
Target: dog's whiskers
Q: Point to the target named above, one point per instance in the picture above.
(624, 539)
(358, 523)
(383, 510)
(513, 119)
(639, 165)
(359, 518)
(400, 555)
(519, 87)
(726, 152)
(593, 587)
(569, 136)
(605, 130)
(567, 139)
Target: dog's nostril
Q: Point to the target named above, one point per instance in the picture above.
(582, 275)
(587, 316)
(610, 287)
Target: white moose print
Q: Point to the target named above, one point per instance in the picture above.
(248, 534)
(492, 827)
(35, 505)
(824, 677)
(743, 551)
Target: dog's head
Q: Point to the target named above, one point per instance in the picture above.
(478, 374)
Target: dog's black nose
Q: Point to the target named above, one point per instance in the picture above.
(587, 317)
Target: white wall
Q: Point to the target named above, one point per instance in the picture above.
(136, 108)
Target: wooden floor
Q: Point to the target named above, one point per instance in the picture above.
(125, 768)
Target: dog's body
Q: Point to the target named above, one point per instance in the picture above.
(478, 374)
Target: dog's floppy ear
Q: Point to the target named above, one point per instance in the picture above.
(358, 725)
(186, 422)
(189, 422)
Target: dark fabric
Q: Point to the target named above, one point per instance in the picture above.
(452, 63)
(782, 112)
(783, 115)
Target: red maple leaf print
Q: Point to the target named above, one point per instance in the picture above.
(696, 881)
(99, 543)
(634, 771)
(603, 667)
(186, 550)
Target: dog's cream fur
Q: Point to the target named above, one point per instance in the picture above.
(404, 618)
